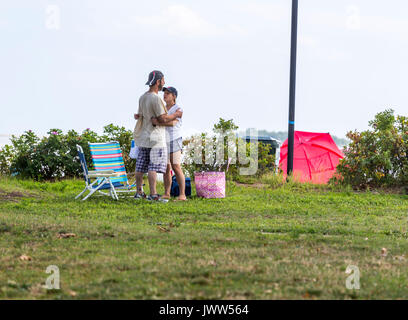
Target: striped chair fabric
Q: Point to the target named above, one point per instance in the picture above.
(108, 156)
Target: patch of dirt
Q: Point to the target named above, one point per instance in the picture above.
(11, 196)
(395, 190)
(257, 185)
(14, 196)
(64, 235)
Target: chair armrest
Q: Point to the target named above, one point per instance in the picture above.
(104, 173)
(101, 171)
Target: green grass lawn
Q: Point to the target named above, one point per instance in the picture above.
(261, 242)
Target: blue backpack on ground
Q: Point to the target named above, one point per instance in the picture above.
(175, 189)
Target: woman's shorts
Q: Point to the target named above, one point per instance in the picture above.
(174, 149)
(175, 145)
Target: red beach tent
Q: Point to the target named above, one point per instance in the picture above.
(315, 157)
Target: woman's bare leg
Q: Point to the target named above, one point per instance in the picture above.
(181, 180)
(167, 182)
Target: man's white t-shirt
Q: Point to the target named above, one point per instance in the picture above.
(145, 134)
(174, 132)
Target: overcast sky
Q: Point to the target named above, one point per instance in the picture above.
(81, 64)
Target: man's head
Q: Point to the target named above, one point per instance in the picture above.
(156, 78)
(170, 95)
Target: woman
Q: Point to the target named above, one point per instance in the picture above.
(174, 145)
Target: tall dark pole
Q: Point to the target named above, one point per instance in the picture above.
(292, 87)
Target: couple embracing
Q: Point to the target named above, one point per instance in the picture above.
(157, 134)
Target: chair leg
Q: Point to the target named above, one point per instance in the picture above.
(87, 187)
(94, 190)
(113, 191)
(89, 194)
(83, 191)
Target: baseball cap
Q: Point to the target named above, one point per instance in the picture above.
(171, 90)
(154, 76)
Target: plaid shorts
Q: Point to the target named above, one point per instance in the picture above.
(151, 159)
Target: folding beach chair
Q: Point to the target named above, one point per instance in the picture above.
(108, 156)
(103, 179)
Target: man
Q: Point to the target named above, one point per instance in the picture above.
(151, 139)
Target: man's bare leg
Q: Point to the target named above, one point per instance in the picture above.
(152, 177)
(139, 182)
(167, 182)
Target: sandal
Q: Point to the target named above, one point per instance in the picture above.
(139, 196)
(156, 197)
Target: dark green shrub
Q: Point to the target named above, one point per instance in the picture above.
(55, 155)
(377, 157)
